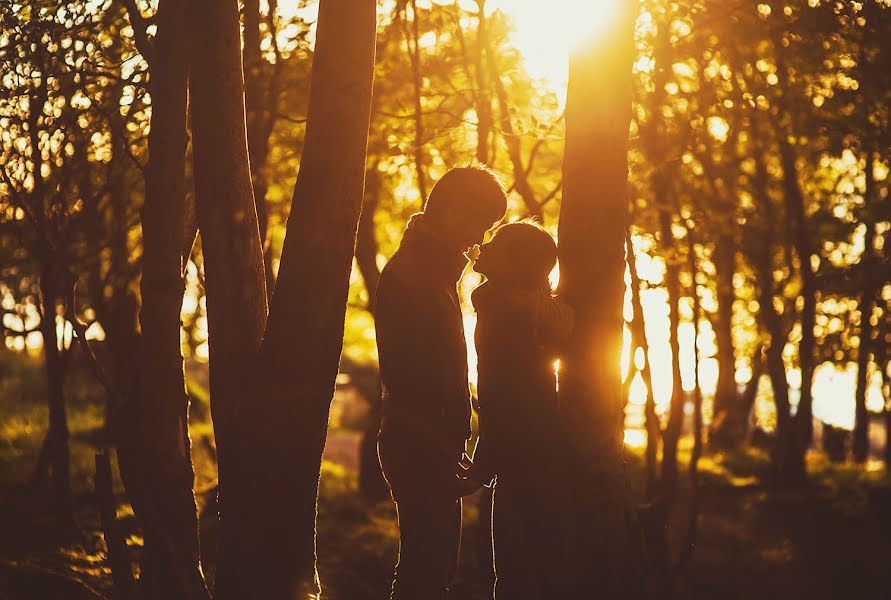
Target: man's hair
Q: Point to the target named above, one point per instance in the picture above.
(472, 188)
(533, 250)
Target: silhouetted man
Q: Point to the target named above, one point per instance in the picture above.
(423, 362)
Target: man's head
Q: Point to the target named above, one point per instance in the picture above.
(521, 253)
(464, 204)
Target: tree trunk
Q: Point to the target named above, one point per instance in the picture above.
(260, 99)
(372, 486)
(807, 356)
(692, 533)
(272, 550)
(762, 259)
(729, 422)
(483, 102)
(57, 437)
(664, 200)
(412, 44)
(235, 281)
(511, 139)
(639, 337)
(595, 170)
(871, 287)
(155, 441)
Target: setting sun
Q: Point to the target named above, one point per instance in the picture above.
(545, 32)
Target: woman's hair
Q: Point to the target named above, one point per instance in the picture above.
(533, 252)
(470, 189)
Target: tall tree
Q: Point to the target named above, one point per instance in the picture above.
(595, 172)
(271, 386)
(162, 476)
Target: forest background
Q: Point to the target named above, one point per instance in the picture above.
(755, 351)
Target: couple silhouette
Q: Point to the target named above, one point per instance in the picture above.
(426, 417)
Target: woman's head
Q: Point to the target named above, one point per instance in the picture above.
(521, 253)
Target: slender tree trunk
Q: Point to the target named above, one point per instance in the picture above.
(693, 522)
(729, 422)
(807, 355)
(260, 91)
(886, 394)
(160, 460)
(639, 335)
(511, 139)
(412, 43)
(595, 170)
(762, 258)
(664, 200)
(57, 437)
(484, 100)
(872, 285)
(366, 238)
(372, 486)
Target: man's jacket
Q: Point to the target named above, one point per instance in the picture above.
(421, 345)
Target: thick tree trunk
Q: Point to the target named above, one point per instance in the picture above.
(155, 441)
(598, 113)
(235, 282)
(284, 432)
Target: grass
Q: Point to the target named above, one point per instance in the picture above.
(828, 538)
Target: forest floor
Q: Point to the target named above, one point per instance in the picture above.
(828, 539)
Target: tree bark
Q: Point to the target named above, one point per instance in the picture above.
(729, 422)
(784, 456)
(871, 287)
(803, 426)
(234, 277)
(155, 443)
(483, 101)
(412, 44)
(271, 553)
(57, 437)
(639, 337)
(372, 486)
(595, 171)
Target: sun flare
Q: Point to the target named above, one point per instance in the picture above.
(545, 31)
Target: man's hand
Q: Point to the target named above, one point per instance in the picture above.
(464, 486)
(468, 477)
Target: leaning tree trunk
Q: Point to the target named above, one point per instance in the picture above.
(155, 444)
(235, 281)
(301, 350)
(595, 171)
